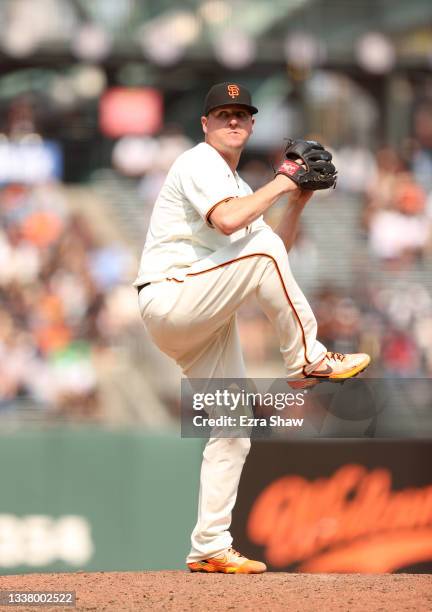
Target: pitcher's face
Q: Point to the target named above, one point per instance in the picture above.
(228, 127)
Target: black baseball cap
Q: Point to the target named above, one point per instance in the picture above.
(228, 93)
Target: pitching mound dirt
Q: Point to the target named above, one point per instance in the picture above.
(178, 590)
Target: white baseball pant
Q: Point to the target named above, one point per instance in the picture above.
(194, 322)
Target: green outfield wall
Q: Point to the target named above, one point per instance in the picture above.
(90, 499)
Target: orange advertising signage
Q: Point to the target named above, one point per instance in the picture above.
(350, 521)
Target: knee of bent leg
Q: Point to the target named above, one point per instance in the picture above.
(270, 245)
(240, 445)
(267, 241)
(275, 246)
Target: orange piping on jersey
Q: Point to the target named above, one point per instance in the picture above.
(212, 209)
(226, 263)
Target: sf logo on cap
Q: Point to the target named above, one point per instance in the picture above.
(233, 91)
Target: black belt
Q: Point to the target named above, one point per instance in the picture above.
(142, 286)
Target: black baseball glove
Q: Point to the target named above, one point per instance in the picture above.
(314, 171)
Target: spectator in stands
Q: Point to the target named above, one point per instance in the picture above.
(399, 229)
(422, 155)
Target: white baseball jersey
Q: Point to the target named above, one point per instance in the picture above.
(180, 233)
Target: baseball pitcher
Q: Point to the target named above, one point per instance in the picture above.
(208, 249)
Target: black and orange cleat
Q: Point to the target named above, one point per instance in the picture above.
(229, 562)
(335, 367)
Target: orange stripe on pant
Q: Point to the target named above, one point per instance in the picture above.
(226, 263)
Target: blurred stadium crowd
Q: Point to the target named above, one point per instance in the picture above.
(57, 290)
(74, 212)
